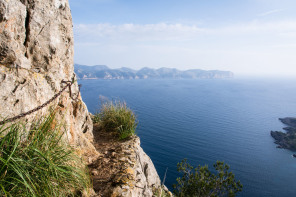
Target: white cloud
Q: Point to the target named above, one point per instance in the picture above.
(175, 32)
(292, 45)
(137, 32)
(253, 47)
(271, 12)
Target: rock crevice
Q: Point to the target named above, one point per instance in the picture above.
(27, 29)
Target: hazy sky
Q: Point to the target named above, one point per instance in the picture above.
(243, 36)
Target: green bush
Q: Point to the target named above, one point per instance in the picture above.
(38, 162)
(95, 118)
(202, 182)
(117, 117)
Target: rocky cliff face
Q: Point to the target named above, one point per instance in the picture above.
(36, 54)
(139, 176)
(123, 168)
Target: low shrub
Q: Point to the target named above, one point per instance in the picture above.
(95, 118)
(117, 117)
(38, 162)
(200, 181)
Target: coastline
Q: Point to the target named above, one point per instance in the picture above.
(286, 140)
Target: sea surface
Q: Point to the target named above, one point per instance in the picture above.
(209, 120)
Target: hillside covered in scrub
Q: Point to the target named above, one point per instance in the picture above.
(103, 72)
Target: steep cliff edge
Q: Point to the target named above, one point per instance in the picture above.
(36, 54)
(123, 168)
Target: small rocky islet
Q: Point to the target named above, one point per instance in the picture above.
(286, 140)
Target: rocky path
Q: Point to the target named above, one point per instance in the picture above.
(123, 168)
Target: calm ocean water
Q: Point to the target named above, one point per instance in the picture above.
(210, 120)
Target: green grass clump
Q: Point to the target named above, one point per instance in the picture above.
(117, 117)
(38, 162)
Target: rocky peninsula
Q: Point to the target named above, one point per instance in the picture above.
(286, 140)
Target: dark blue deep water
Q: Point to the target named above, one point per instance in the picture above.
(210, 120)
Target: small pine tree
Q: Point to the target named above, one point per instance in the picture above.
(200, 181)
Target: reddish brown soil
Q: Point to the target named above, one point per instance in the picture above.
(105, 168)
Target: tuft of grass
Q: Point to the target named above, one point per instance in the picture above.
(38, 162)
(117, 117)
(160, 192)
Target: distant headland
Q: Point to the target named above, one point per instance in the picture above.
(103, 72)
(286, 140)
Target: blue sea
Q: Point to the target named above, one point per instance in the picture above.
(208, 120)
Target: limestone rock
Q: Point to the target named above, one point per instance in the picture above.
(139, 177)
(124, 169)
(36, 54)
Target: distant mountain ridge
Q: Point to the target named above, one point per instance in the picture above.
(103, 72)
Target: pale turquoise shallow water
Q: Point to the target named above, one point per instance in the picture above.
(209, 120)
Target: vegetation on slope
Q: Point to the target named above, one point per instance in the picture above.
(201, 181)
(37, 162)
(117, 117)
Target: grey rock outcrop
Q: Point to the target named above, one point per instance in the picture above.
(144, 180)
(36, 54)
